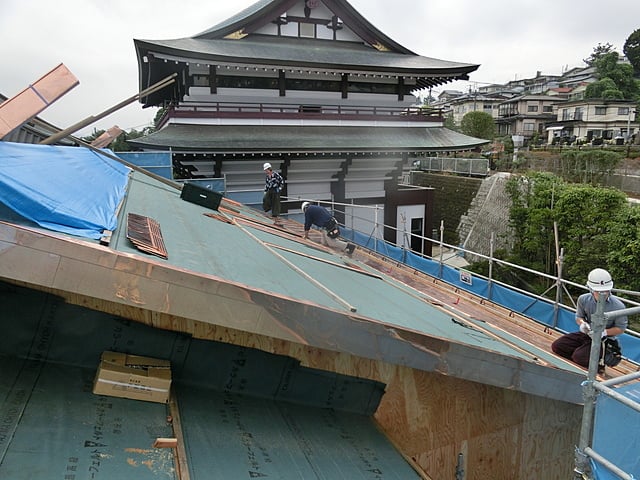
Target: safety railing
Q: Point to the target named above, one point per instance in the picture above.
(556, 311)
(462, 166)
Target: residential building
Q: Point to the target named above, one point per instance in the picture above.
(594, 120)
(550, 105)
(447, 95)
(475, 101)
(526, 115)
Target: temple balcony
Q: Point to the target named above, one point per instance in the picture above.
(216, 111)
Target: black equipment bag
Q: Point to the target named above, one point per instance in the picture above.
(194, 193)
(333, 231)
(611, 352)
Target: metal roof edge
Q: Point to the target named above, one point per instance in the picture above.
(79, 267)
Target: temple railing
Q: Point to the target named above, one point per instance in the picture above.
(205, 110)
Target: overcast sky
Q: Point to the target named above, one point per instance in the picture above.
(94, 39)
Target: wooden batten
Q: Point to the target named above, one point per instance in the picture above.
(165, 443)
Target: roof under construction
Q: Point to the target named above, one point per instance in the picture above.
(272, 275)
(225, 269)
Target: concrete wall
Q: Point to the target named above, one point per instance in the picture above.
(452, 197)
(472, 210)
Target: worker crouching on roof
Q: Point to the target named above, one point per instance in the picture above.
(321, 218)
(576, 346)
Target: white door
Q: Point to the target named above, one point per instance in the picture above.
(410, 225)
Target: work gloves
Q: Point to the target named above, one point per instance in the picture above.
(586, 329)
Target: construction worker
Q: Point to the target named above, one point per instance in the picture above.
(320, 217)
(576, 346)
(272, 188)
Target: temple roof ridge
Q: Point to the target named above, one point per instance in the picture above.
(265, 11)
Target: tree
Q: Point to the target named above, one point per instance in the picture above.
(478, 124)
(623, 240)
(450, 123)
(588, 166)
(594, 226)
(158, 117)
(598, 51)
(605, 89)
(615, 79)
(585, 215)
(632, 51)
(531, 218)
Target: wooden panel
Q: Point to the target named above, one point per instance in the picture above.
(35, 98)
(436, 421)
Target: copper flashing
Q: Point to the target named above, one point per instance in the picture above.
(217, 216)
(35, 98)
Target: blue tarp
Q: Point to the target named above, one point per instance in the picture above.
(615, 433)
(67, 189)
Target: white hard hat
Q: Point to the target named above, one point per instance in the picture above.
(266, 165)
(304, 206)
(599, 280)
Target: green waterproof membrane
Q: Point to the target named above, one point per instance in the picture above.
(244, 413)
(54, 428)
(234, 436)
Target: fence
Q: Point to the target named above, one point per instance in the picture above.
(462, 166)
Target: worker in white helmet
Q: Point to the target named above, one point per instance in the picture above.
(320, 217)
(274, 183)
(576, 346)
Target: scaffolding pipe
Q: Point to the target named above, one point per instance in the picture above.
(616, 396)
(622, 312)
(559, 287)
(589, 391)
(610, 466)
(490, 283)
(559, 260)
(591, 388)
(89, 120)
(623, 379)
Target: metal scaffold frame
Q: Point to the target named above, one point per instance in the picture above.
(591, 388)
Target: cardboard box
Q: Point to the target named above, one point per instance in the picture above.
(133, 376)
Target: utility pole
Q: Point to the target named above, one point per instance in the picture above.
(629, 112)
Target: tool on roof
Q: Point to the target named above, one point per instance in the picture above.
(89, 120)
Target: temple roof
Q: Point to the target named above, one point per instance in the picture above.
(287, 52)
(264, 11)
(286, 138)
(247, 40)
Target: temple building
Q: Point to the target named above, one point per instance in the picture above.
(310, 87)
